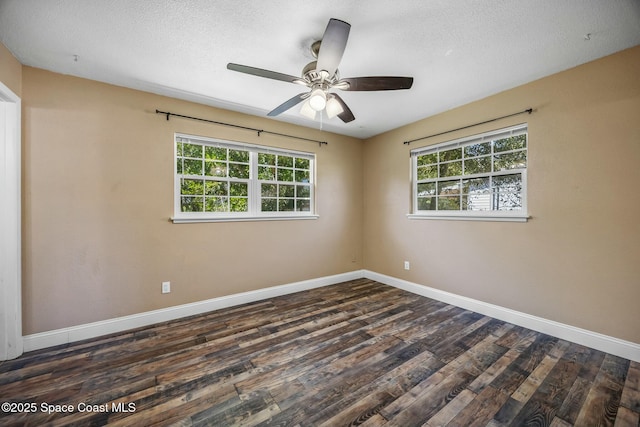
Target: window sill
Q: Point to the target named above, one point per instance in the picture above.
(467, 217)
(183, 220)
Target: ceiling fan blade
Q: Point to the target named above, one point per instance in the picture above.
(288, 104)
(334, 41)
(346, 115)
(377, 83)
(262, 73)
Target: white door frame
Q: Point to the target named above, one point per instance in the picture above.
(10, 226)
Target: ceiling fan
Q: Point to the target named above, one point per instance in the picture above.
(321, 77)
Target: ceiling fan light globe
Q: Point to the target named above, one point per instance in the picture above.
(333, 108)
(307, 111)
(318, 100)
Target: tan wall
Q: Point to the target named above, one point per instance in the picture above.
(98, 194)
(577, 261)
(10, 71)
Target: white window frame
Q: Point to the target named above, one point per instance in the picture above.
(254, 212)
(520, 215)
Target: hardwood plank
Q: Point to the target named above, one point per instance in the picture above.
(601, 404)
(512, 377)
(450, 411)
(480, 410)
(631, 393)
(541, 407)
(626, 418)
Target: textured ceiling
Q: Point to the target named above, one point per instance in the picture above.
(457, 51)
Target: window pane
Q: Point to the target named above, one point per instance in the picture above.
(267, 159)
(426, 189)
(192, 150)
(476, 202)
(215, 153)
(285, 174)
(266, 173)
(449, 187)
(216, 204)
(179, 166)
(427, 172)
(192, 167)
(215, 168)
(426, 203)
(303, 205)
(448, 203)
(453, 154)
(269, 190)
(286, 190)
(303, 191)
(191, 204)
(216, 188)
(285, 205)
(286, 161)
(477, 149)
(478, 165)
(508, 201)
(508, 182)
(302, 176)
(516, 160)
(450, 169)
(427, 159)
(239, 189)
(507, 192)
(178, 149)
(239, 156)
(192, 187)
(269, 205)
(512, 143)
(239, 204)
(302, 163)
(476, 186)
(239, 170)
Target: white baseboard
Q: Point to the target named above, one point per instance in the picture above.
(119, 324)
(615, 346)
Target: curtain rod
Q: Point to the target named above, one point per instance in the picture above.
(259, 131)
(528, 110)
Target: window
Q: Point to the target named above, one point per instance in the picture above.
(480, 177)
(223, 180)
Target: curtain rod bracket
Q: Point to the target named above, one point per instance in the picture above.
(528, 110)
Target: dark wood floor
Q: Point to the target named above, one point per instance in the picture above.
(357, 353)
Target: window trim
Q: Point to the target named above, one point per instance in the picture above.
(253, 194)
(520, 215)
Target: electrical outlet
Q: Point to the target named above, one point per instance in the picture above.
(166, 287)
(406, 265)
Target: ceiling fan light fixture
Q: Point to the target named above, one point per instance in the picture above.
(307, 111)
(333, 108)
(321, 77)
(318, 100)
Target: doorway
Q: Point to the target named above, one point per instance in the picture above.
(10, 226)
